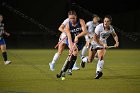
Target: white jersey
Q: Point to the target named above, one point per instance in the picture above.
(103, 35)
(90, 28)
(63, 34)
(65, 21)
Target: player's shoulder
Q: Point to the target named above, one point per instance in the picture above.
(100, 26)
(89, 22)
(111, 28)
(66, 20)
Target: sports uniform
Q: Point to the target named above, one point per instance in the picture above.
(102, 34)
(74, 32)
(63, 37)
(2, 43)
(63, 34)
(90, 28)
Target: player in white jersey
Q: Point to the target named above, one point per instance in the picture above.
(61, 46)
(91, 25)
(99, 44)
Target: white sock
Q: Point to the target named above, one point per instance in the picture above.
(55, 58)
(100, 65)
(74, 64)
(84, 50)
(85, 59)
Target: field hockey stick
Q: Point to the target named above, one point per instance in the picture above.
(111, 47)
(66, 61)
(60, 42)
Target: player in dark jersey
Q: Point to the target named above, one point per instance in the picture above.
(2, 41)
(75, 31)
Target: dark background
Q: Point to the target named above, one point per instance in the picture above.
(34, 23)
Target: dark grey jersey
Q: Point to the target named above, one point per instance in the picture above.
(1, 29)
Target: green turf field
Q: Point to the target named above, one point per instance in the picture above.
(29, 73)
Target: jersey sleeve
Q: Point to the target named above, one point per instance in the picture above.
(88, 23)
(65, 21)
(112, 29)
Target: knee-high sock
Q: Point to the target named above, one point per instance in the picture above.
(100, 65)
(66, 66)
(55, 58)
(4, 54)
(75, 65)
(84, 50)
(72, 61)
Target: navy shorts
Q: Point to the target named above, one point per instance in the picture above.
(2, 41)
(80, 45)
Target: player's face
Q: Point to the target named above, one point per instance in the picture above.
(107, 22)
(72, 19)
(1, 18)
(95, 20)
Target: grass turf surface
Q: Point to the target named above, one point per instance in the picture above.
(29, 73)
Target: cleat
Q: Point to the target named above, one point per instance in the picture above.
(75, 68)
(7, 62)
(98, 75)
(69, 72)
(51, 66)
(82, 64)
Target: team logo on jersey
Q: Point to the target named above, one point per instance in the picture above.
(105, 35)
(76, 30)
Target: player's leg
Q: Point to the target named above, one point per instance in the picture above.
(89, 58)
(91, 54)
(72, 60)
(57, 55)
(100, 63)
(4, 53)
(68, 65)
(86, 47)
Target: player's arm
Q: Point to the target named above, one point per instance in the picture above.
(61, 28)
(87, 29)
(6, 33)
(97, 39)
(84, 30)
(115, 36)
(69, 36)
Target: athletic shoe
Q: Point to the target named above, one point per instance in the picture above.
(98, 75)
(75, 68)
(7, 62)
(82, 64)
(51, 66)
(69, 72)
